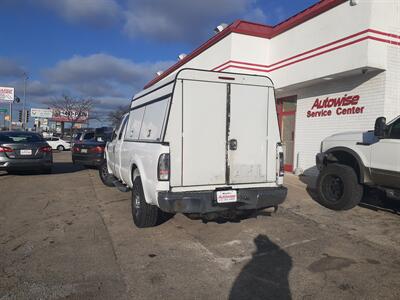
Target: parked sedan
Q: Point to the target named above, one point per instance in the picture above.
(89, 153)
(57, 143)
(24, 151)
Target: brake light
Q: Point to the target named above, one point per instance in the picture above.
(75, 149)
(281, 164)
(5, 149)
(98, 149)
(46, 149)
(163, 167)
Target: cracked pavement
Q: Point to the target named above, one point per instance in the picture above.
(66, 236)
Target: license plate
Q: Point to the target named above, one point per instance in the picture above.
(83, 150)
(26, 152)
(226, 196)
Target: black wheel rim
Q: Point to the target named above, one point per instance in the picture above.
(333, 188)
(136, 203)
(104, 171)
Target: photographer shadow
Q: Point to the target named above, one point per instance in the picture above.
(266, 275)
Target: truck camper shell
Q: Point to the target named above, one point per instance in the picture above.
(200, 111)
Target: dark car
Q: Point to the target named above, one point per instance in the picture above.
(20, 151)
(89, 152)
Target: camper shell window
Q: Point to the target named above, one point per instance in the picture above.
(146, 122)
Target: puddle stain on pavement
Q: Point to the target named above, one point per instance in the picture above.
(330, 263)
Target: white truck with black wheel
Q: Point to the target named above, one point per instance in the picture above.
(350, 162)
(203, 143)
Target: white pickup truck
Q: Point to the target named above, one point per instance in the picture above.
(350, 161)
(204, 143)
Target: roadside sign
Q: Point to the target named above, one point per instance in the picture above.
(71, 115)
(41, 113)
(3, 110)
(6, 94)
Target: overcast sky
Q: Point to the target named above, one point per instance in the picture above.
(108, 49)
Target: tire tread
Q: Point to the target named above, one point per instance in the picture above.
(149, 213)
(353, 193)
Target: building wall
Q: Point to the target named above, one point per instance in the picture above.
(342, 43)
(310, 131)
(392, 84)
(385, 16)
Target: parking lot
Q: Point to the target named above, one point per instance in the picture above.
(65, 235)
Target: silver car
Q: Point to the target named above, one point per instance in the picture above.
(20, 151)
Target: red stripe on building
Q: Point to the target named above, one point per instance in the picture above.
(310, 56)
(312, 50)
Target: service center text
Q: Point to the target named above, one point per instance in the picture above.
(346, 105)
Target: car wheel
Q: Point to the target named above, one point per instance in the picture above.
(338, 187)
(106, 177)
(144, 214)
(60, 148)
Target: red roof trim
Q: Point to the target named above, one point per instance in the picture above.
(254, 29)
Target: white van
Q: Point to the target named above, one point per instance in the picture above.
(205, 142)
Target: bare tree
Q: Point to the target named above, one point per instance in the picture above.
(71, 110)
(116, 115)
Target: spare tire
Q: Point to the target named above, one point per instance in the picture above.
(338, 187)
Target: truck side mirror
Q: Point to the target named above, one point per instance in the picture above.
(380, 127)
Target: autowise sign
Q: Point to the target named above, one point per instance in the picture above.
(70, 116)
(343, 105)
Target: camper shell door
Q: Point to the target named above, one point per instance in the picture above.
(218, 130)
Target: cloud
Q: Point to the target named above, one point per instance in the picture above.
(102, 74)
(10, 69)
(160, 20)
(181, 20)
(110, 80)
(256, 15)
(96, 12)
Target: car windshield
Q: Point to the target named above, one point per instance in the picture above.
(20, 137)
(77, 136)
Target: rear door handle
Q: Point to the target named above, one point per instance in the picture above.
(232, 144)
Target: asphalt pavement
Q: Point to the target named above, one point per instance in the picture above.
(67, 236)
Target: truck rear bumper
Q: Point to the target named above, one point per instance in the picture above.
(205, 202)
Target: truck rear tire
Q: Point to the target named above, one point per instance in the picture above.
(144, 214)
(106, 178)
(338, 187)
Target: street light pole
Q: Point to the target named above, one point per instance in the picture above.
(24, 104)
(10, 126)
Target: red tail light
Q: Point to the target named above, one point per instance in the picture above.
(46, 149)
(5, 149)
(97, 149)
(75, 149)
(163, 167)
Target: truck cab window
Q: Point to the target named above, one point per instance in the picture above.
(122, 128)
(394, 130)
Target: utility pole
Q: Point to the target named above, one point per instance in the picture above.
(10, 127)
(24, 104)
